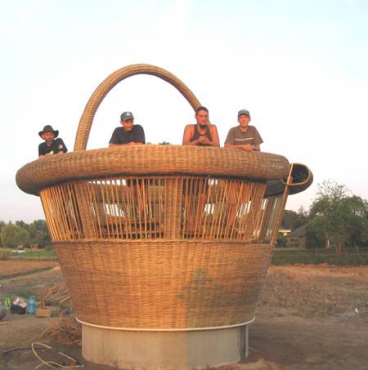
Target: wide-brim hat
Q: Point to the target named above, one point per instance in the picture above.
(49, 128)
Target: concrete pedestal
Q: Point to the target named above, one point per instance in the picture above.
(159, 349)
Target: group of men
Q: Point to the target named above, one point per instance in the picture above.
(202, 133)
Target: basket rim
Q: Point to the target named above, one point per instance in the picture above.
(150, 160)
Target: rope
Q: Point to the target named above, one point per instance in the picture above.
(51, 363)
(45, 347)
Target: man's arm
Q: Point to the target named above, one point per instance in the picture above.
(125, 144)
(113, 140)
(61, 147)
(139, 138)
(139, 135)
(40, 152)
(230, 141)
(258, 140)
(215, 136)
(188, 134)
(246, 147)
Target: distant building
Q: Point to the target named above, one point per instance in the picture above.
(297, 237)
(284, 232)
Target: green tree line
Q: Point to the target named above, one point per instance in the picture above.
(336, 218)
(21, 233)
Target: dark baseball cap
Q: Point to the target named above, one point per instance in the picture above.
(244, 111)
(126, 116)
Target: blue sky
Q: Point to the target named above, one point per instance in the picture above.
(299, 67)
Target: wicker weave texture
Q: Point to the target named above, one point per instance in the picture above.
(150, 160)
(161, 208)
(301, 178)
(157, 272)
(164, 284)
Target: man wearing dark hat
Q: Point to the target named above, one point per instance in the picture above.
(129, 134)
(244, 136)
(52, 144)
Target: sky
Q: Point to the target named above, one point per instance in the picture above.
(298, 66)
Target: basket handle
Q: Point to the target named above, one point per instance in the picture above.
(101, 91)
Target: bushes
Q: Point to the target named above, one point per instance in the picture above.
(320, 256)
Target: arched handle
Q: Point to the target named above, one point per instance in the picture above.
(101, 91)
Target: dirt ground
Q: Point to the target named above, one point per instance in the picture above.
(309, 317)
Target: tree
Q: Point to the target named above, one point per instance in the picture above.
(36, 232)
(292, 220)
(337, 214)
(281, 241)
(13, 235)
(2, 224)
(359, 219)
(315, 233)
(39, 233)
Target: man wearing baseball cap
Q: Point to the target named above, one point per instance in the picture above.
(52, 144)
(244, 136)
(129, 134)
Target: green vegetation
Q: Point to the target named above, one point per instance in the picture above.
(25, 241)
(13, 235)
(337, 221)
(316, 256)
(27, 254)
(337, 218)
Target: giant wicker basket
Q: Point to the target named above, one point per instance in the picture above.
(162, 237)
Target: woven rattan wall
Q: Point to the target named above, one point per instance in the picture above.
(139, 208)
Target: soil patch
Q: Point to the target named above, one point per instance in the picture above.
(12, 268)
(308, 317)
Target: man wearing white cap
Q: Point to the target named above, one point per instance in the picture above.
(244, 136)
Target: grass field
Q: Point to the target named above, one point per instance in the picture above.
(6, 253)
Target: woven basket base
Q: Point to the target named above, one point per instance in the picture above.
(164, 284)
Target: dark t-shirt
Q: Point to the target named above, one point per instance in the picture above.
(197, 135)
(56, 147)
(119, 136)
